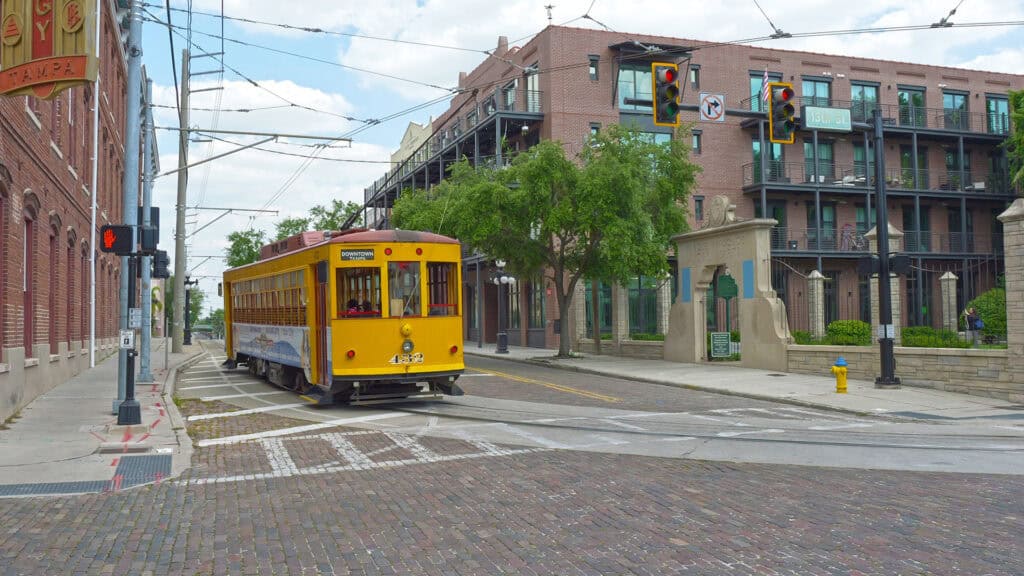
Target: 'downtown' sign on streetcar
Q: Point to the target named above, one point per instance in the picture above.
(46, 46)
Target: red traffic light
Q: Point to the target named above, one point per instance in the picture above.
(786, 94)
(118, 239)
(667, 75)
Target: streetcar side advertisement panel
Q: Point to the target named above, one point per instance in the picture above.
(287, 345)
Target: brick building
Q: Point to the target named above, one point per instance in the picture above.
(946, 173)
(46, 173)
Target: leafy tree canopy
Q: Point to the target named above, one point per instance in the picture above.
(608, 216)
(290, 227)
(245, 247)
(1015, 139)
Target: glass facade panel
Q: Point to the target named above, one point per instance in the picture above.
(635, 82)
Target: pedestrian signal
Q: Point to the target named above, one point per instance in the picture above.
(117, 238)
(781, 113)
(666, 93)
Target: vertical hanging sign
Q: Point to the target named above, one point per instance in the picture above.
(47, 46)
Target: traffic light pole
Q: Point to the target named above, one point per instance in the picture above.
(886, 340)
(145, 375)
(130, 182)
(129, 412)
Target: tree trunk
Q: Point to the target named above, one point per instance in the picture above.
(595, 307)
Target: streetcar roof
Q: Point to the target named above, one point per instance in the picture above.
(375, 236)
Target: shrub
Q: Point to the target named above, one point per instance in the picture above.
(991, 308)
(802, 337)
(928, 337)
(849, 332)
(647, 337)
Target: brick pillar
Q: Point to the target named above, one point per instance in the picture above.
(664, 305)
(947, 285)
(620, 314)
(895, 294)
(578, 330)
(816, 303)
(1013, 243)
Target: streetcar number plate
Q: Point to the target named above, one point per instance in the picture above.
(416, 358)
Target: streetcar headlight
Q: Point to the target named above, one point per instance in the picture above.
(407, 346)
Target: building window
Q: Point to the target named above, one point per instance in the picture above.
(826, 169)
(912, 111)
(954, 110)
(513, 320)
(656, 137)
(536, 304)
(509, 95)
(774, 167)
(817, 92)
(695, 76)
(533, 88)
(594, 60)
(696, 137)
(27, 284)
(863, 163)
(53, 265)
(756, 85)
(471, 118)
(635, 83)
(698, 208)
(864, 100)
(997, 113)
(595, 128)
(69, 309)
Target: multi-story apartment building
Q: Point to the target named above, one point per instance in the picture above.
(945, 170)
(46, 175)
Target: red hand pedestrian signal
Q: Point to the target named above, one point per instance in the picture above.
(118, 239)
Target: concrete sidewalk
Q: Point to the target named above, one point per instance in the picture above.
(67, 441)
(813, 391)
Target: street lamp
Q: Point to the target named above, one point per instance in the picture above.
(188, 306)
(501, 280)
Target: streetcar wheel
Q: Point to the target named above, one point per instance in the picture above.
(250, 364)
(299, 382)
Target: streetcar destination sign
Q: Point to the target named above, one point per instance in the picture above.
(363, 254)
(827, 119)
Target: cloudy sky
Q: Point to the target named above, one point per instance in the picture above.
(375, 60)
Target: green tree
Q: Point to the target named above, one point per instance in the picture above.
(216, 321)
(195, 302)
(245, 247)
(290, 227)
(332, 218)
(1015, 140)
(609, 217)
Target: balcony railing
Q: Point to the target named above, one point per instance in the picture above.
(831, 175)
(849, 237)
(908, 116)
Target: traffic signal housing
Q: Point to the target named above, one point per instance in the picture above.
(117, 238)
(161, 264)
(781, 113)
(666, 93)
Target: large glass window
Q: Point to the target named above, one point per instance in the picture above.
(635, 82)
(828, 227)
(997, 109)
(404, 289)
(756, 86)
(774, 169)
(863, 163)
(908, 178)
(864, 99)
(514, 320)
(443, 289)
(643, 305)
(912, 111)
(604, 305)
(954, 110)
(916, 240)
(533, 89)
(817, 93)
(509, 95)
(826, 162)
(958, 174)
(536, 303)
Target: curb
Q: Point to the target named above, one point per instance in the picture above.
(183, 459)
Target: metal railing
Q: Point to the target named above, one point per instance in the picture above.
(863, 175)
(847, 237)
(925, 242)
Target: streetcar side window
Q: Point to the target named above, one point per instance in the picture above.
(404, 289)
(443, 289)
(358, 292)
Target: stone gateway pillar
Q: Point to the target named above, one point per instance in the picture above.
(744, 247)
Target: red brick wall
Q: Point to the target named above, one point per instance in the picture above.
(46, 147)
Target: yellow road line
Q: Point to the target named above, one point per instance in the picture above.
(558, 387)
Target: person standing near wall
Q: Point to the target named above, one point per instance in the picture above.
(972, 323)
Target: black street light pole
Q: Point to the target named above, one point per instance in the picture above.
(888, 378)
(502, 280)
(187, 340)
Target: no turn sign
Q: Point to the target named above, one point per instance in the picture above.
(712, 107)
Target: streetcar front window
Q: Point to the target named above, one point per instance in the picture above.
(404, 289)
(358, 292)
(443, 288)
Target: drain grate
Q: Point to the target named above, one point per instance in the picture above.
(51, 488)
(135, 470)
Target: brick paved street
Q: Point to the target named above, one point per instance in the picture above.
(541, 512)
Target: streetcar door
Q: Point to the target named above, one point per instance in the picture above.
(323, 332)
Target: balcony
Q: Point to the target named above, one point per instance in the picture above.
(839, 176)
(848, 238)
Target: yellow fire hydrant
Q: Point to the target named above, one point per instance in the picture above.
(839, 369)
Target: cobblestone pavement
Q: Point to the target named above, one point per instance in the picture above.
(345, 501)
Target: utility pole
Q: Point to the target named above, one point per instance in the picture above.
(128, 410)
(180, 258)
(888, 378)
(147, 198)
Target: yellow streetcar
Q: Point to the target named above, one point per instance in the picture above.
(359, 316)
